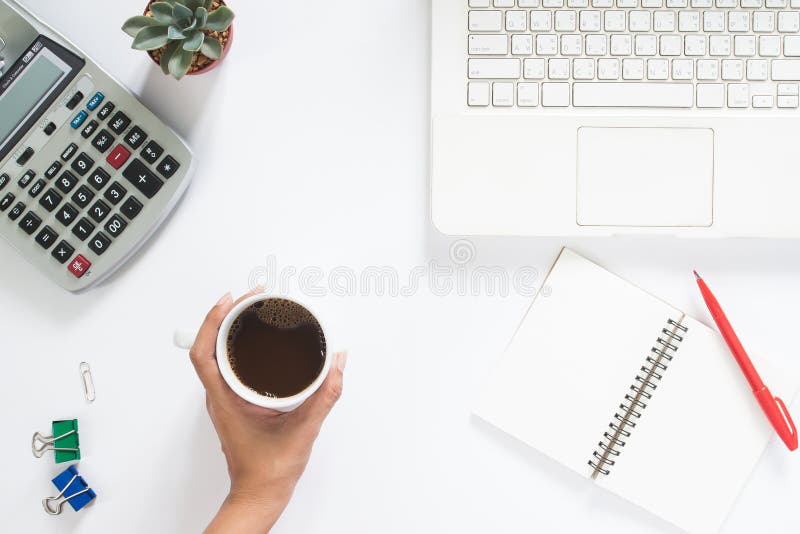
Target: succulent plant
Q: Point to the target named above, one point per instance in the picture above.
(182, 27)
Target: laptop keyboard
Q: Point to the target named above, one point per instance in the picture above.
(708, 54)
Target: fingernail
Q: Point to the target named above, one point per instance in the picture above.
(341, 360)
(226, 299)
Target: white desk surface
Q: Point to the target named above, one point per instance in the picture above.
(313, 139)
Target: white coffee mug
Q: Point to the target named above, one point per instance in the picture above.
(185, 340)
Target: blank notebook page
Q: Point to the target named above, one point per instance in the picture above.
(699, 438)
(571, 361)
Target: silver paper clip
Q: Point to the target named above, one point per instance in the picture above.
(41, 444)
(60, 500)
(88, 382)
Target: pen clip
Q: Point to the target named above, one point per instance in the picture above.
(789, 436)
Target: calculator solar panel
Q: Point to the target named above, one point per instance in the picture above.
(87, 173)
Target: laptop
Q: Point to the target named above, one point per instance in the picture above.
(614, 117)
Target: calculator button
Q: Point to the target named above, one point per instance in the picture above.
(26, 179)
(63, 252)
(50, 200)
(82, 164)
(105, 111)
(79, 266)
(99, 211)
(4, 179)
(52, 170)
(142, 178)
(66, 182)
(83, 229)
(46, 237)
(79, 119)
(89, 129)
(25, 156)
(16, 211)
(37, 188)
(152, 152)
(168, 167)
(103, 141)
(9, 199)
(50, 128)
(95, 101)
(67, 214)
(75, 100)
(99, 178)
(99, 243)
(30, 223)
(119, 123)
(115, 193)
(69, 152)
(135, 137)
(115, 226)
(118, 156)
(83, 196)
(130, 209)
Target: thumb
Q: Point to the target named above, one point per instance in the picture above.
(320, 404)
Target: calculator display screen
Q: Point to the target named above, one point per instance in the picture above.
(30, 86)
(21, 98)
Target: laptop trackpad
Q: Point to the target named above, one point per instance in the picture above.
(645, 176)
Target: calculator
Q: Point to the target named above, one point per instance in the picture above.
(87, 173)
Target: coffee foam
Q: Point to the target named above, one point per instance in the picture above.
(279, 313)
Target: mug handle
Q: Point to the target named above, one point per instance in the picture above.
(184, 339)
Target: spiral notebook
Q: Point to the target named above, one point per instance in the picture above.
(625, 389)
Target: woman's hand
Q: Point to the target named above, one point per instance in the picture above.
(267, 451)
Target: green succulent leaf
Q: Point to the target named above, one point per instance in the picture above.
(208, 4)
(211, 47)
(182, 13)
(194, 4)
(220, 19)
(167, 55)
(175, 34)
(194, 41)
(200, 17)
(163, 12)
(134, 25)
(151, 38)
(180, 62)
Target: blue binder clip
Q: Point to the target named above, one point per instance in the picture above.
(72, 489)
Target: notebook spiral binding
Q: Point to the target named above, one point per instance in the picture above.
(636, 399)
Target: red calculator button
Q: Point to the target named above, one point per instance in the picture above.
(79, 266)
(118, 156)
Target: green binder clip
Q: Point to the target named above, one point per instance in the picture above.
(63, 442)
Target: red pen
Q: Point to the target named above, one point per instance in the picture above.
(774, 407)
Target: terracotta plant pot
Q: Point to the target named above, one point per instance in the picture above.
(211, 64)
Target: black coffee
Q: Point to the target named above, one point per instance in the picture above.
(276, 348)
